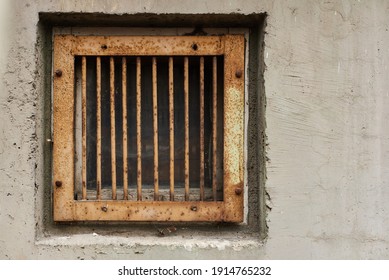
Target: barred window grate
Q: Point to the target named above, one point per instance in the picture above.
(180, 137)
(148, 128)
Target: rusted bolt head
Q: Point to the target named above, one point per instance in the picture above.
(58, 72)
(238, 191)
(195, 47)
(193, 208)
(104, 208)
(104, 46)
(238, 73)
(58, 183)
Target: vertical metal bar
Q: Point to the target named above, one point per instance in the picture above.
(155, 128)
(124, 109)
(113, 133)
(214, 127)
(171, 127)
(138, 129)
(98, 128)
(83, 85)
(201, 128)
(186, 121)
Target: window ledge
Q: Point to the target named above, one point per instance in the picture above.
(201, 242)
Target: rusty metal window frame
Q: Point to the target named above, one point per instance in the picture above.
(67, 208)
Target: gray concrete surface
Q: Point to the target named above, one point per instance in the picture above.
(327, 137)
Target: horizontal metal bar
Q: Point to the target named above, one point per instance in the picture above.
(112, 210)
(145, 45)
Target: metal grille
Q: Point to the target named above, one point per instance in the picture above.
(148, 128)
(151, 128)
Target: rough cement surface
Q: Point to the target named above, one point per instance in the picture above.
(326, 125)
(327, 129)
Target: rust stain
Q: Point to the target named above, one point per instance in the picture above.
(147, 45)
(186, 124)
(113, 122)
(138, 129)
(233, 127)
(171, 128)
(202, 128)
(214, 126)
(83, 86)
(98, 127)
(124, 127)
(63, 129)
(155, 128)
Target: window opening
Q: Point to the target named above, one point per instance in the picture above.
(148, 128)
(204, 167)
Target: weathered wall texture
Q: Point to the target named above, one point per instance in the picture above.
(327, 131)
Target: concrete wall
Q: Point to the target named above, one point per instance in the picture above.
(327, 130)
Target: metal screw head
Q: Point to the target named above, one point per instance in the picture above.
(104, 208)
(104, 46)
(58, 72)
(193, 208)
(58, 184)
(238, 191)
(238, 73)
(195, 47)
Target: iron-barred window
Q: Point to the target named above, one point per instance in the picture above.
(148, 128)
